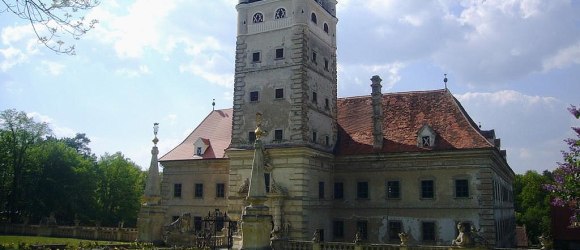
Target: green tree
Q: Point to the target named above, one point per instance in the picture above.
(54, 21)
(64, 183)
(119, 189)
(532, 203)
(18, 133)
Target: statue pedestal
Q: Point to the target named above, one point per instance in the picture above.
(256, 228)
(150, 223)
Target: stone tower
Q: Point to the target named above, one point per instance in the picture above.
(286, 69)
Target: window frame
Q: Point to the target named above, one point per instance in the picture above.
(256, 57)
(423, 192)
(424, 234)
(280, 13)
(198, 191)
(321, 192)
(338, 229)
(394, 236)
(279, 93)
(279, 53)
(254, 96)
(325, 28)
(338, 193)
(177, 190)
(258, 17)
(360, 193)
(251, 136)
(314, 18)
(220, 192)
(464, 192)
(278, 135)
(393, 192)
(362, 226)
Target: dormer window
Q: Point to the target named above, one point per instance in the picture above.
(426, 137)
(280, 13)
(258, 18)
(200, 146)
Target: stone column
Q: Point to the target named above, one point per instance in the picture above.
(256, 220)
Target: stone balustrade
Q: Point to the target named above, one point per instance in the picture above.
(78, 232)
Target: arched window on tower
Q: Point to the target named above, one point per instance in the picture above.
(326, 28)
(258, 18)
(280, 13)
(313, 18)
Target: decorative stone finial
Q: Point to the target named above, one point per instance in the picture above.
(445, 81)
(213, 105)
(155, 130)
(259, 132)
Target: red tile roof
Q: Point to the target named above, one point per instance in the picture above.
(215, 130)
(404, 115)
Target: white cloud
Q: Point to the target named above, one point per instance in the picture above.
(505, 97)
(171, 119)
(52, 68)
(132, 73)
(353, 76)
(57, 130)
(563, 58)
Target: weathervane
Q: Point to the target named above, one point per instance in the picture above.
(155, 130)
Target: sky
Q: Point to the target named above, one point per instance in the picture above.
(513, 64)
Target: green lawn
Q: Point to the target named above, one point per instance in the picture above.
(12, 242)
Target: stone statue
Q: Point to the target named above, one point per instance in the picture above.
(181, 225)
(243, 189)
(476, 237)
(358, 237)
(546, 242)
(316, 236)
(404, 237)
(463, 238)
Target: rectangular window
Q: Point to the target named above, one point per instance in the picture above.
(321, 190)
(427, 189)
(361, 227)
(395, 227)
(326, 104)
(325, 64)
(461, 188)
(197, 223)
(177, 190)
(338, 229)
(314, 57)
(428, 231)
(267, 182)
(314, 137)
(279, 53)
(338, 190)
(198, 151)
(393, 190)
(278, 135)
(254, 96)
(198, 190)
(256, 57)
(252, 136)
(279, 93)
(327, 140)
(314, 97)
(362, 190)
(220, 190)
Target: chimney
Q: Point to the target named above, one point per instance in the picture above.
(377, 98)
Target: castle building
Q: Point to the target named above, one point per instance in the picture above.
(381, 164)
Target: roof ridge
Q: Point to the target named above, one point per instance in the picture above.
(394, 93)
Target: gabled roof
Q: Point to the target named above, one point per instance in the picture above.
(215, 130)
(404, 115)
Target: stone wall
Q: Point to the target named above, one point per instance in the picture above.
(87, 233)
